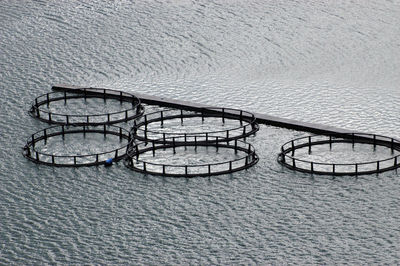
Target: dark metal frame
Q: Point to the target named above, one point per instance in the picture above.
(72, 119)
(39, 157)
(135, 148)
(358, 168)
(248, 125)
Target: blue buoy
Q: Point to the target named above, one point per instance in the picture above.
(108, 162)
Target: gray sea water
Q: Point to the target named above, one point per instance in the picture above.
(330, 62)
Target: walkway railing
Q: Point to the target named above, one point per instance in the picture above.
(246, 125)
(45, 115)
(136, 149)
(43, 136)
(287, 156)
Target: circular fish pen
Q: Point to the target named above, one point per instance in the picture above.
(145, 157)
(304, 154)
(203, 125)
(58, 145)
(41, 107)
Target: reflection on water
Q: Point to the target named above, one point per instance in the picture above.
(342, 153)
(331, 62)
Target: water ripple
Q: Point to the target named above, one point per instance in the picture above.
(327, 62)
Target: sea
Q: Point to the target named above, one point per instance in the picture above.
(335, 63)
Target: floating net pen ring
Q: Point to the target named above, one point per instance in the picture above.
(288, 158)
(42, 136)
(137, 148)
(247, 125)
(37, 110)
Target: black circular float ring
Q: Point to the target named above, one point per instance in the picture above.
(247, 125)
(136, 148)
(30, 152)
(44, 115)
(287, 155)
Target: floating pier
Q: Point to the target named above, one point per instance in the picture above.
(247, 125)
(260, 118)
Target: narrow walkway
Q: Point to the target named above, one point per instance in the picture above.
(261, 118)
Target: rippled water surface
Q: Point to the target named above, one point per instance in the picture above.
(328, 62)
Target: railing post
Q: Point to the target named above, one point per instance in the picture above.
(312, 167)
(116, 154)
(37, 156)
(195, 142)
(65, 97)
(333, 168)
(309, 144)
(356, 168)
(162, 118)
(108, 118)
(395, 161)
(227, 134)
(97, 158)
(241, 117)
(126, 114)
(217, 143)
(87, 119)
(377, 166)
(294, 162)
(154, 149)
(181, 116)
(292, 147)
(186, 170)
(163, 169)
(330, 142)
(67, 120)
(33, 140)
(144, 166)
(104, 127)
(74, 160)
(244, 133)
(48, 99)
(230, 165)
(235, 145)
(52, 159)
(223, 115)
(374, 140)
(173, 144)
(49, 117)
(209, 169)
